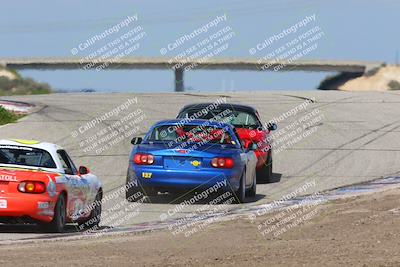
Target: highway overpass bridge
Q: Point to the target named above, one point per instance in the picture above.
(180, 65)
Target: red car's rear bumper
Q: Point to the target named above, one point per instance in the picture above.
(38, 207)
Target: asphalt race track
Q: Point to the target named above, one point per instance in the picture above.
(357, 139)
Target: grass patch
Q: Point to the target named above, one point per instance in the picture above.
(7, 117)
(20, 85)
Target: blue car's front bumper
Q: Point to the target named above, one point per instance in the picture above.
(153, 177)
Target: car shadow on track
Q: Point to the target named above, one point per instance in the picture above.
(276, 178)
(32, 228)
(179, 198)
(36, 229)
(188, 198)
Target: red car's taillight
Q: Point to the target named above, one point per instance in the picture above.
(32, 187)
(143, 159)
(226, 163)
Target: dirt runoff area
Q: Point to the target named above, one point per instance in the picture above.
(357, 231)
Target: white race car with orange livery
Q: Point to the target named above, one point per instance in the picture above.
(39, 183)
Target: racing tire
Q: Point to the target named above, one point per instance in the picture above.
(131, 189)
(241, 192)
(57, 225)
(253, 190)
(132, 192)
(93, 221)
(264, 175)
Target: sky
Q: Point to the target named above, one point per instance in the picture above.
(352, 30)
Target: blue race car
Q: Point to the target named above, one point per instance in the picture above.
(182, 155)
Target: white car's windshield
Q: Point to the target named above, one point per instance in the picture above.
(25, 156)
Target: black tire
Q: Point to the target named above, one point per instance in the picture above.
(131, 194)
(253, 190)
(131, 189)
(93, 221)
(57, 225)
(241, 192)
(264, 175)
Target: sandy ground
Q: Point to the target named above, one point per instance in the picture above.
(7, 74)
(376, 82)
(357, 231)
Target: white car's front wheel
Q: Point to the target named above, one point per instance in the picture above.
(95, 215)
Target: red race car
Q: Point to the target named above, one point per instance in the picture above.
(249, 128)
(40, 183)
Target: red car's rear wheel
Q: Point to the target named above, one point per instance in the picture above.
(57, 225)
(264, 174)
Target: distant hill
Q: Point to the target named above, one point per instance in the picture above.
(385, 78)
(11, 83)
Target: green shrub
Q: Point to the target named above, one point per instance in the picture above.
(22, 86)
(6, 116)
(394, 85)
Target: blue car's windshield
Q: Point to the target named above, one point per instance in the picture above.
(191, 134)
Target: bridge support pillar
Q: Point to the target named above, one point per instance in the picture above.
(179, 86)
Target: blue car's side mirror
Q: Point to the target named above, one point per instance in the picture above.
(136, 140)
